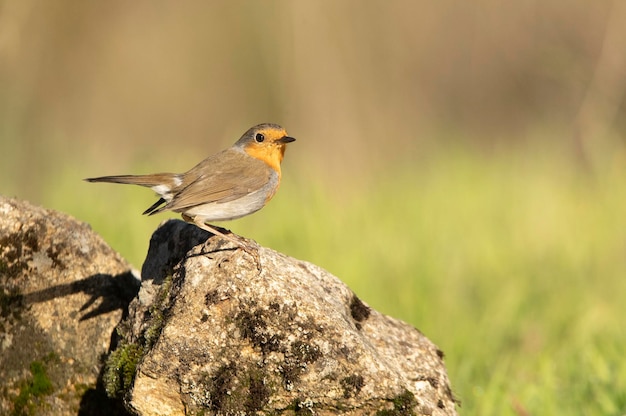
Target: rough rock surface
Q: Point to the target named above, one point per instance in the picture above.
(62, 292)
(211, 332)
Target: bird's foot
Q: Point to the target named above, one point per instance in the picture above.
(242, 243)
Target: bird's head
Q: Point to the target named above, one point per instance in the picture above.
(266, 142)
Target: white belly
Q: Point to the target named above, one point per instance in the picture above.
(224, 211)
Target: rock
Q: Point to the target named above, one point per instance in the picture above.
(62, 292)
(212, 333)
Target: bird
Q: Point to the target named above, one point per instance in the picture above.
(231, 184)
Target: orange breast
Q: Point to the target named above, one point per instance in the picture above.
(271, 155)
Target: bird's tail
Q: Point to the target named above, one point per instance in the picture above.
(161, 183)
(150, 181)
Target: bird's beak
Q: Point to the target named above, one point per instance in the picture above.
(286, 139)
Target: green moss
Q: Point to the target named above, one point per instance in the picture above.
(403, 405)
(121, 365)
(153, 331)
(157, 314)
(39, 385)
(164, 292)
(21, 405)
(119, 372)
(405, 402)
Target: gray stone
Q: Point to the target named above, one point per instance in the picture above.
(213, 332)
(62, 292)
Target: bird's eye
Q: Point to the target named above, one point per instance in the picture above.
(259, 138)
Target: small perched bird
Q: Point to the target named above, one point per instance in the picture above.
(230, 184)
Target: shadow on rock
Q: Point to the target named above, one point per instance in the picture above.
(115, 293)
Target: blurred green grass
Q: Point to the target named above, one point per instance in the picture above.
(512, 262)
(490, 237)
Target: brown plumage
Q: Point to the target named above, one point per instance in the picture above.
(230, 184)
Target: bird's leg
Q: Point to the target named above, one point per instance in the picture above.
(230, 237)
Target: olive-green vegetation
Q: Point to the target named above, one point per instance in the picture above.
(512, 262)
(120, 369)
(32, 389)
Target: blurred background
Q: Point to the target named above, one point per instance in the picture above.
(460, 165)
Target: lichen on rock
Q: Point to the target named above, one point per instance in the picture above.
(287, 337)
(63, 290)
(211, 331)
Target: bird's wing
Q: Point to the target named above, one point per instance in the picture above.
(224, 177)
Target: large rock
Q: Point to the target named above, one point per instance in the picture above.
(214, 332)
(62, 292)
